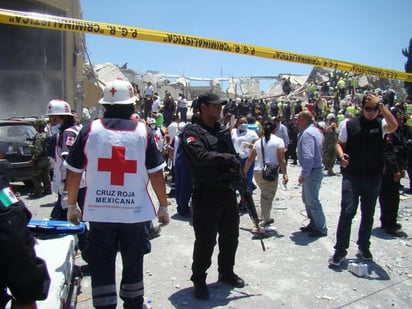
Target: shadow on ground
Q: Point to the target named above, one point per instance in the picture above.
(220, 296)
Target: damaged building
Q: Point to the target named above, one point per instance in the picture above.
(37, 65)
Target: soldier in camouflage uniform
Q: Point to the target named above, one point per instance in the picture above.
(40, 161)
(329, 142)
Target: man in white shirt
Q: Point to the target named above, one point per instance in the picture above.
(156, 103)
(148, 99)
(173, 128)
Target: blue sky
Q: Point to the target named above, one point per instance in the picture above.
(364, 32)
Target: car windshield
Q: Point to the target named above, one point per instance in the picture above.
(17, 132)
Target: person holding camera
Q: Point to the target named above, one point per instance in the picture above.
(360, 149)
(310, 143)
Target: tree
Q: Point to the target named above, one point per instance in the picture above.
(408, 68)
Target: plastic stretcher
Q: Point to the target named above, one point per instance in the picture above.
(57, 245)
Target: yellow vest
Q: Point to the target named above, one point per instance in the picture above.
(409, 121)
(408, 108)
(340, 118)
(351, 109)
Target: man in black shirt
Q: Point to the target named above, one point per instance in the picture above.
(360, 149)
(213, 168)
(395, 156)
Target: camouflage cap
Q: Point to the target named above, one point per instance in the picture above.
(40, 123)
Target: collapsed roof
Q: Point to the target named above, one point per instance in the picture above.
(95, 78)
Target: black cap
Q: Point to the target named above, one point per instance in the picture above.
(210, 98)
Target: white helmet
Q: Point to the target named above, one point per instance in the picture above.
(181, 126)
(118, 91)
(330, 116)
(58, 107)
(151, 121)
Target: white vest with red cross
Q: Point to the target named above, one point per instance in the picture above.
(116, 175)
(59, 170)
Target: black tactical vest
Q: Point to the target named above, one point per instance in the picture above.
(365, 147)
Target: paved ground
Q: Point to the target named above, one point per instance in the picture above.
(293, 272)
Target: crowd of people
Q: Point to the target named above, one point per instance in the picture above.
(368, 133)
(113, 158)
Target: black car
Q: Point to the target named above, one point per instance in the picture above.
(15, 155)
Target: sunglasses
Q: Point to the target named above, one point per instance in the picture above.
(371, 109)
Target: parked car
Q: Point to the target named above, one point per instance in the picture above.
(15, 155)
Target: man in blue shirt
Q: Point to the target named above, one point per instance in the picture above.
(310, 158)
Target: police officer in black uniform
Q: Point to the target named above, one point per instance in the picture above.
(21, 270)
(214, 169)
(396, 156)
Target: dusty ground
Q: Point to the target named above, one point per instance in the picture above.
(293, 272)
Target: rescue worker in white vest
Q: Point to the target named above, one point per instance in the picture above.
(120, 156)
(65, 133)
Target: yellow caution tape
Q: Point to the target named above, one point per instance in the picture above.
(37, 20)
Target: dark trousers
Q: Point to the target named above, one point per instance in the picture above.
(104, 240)
(183, 187)
(389, 201)
(58, 213)
(182, 112)
(365, 189)
(291, 153)
(409, 170)
(148, 103)
(167, 117)
(214, 212)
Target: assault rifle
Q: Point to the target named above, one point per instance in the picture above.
(250, 204)
(242, 186)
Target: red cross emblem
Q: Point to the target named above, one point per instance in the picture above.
(113, 91)
(117, 165)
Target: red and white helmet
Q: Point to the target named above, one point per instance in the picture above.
(150, 121)
(58, 107)
(118, 91)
